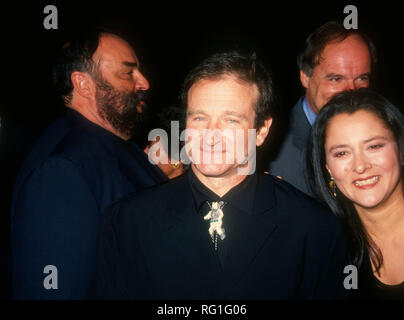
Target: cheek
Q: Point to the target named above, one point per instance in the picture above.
(390, 165)
(338, 169)
(388, 160)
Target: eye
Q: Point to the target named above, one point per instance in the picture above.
(364, 78)
(232, 121)
(335, 79)
(376, 146)
(339, 154)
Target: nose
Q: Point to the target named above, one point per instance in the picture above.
(213, 134)
(361, 164)
(141, 82)
(350, 85)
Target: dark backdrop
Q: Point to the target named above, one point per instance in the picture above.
(172, 36)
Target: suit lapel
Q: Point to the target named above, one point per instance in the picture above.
(186, 234)
(247, 234)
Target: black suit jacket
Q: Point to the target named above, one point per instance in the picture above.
(291, 247)
(74, 171)
(290, 162)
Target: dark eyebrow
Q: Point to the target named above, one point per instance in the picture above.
(374, 138)
(338, 146)
(331, 75)
(130, 64)
(365, 141)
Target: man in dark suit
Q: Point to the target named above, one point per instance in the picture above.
(83, 162)
(222, 231)
(333, 60)
(15, 140)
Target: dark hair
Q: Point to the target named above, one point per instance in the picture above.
(329, 32)
(360, 243)
(77, 55)
(247, 68)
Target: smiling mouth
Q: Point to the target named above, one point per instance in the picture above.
(368, 182)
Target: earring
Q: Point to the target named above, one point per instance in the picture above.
(333, 187)
(175, 165)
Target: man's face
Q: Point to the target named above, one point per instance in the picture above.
(343, 65)
(217, 109)
(120, 86)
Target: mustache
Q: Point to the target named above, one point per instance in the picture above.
(132, 100)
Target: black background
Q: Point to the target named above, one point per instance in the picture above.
(173, 36)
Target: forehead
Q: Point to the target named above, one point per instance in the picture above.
(224, 92)
(113, 50)
(358, 126)
(351, 51)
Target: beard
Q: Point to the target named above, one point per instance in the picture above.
(120, 108)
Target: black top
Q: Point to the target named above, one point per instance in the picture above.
(238, 200)
(369, 287)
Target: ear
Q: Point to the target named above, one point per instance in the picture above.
(328, 169)
(304, 79)
(84, 84)
(263, 131)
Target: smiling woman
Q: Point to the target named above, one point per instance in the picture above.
(356, 167)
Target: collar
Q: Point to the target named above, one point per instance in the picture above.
(115, 145)
(310, 115)
(240, 197)
(108, 139)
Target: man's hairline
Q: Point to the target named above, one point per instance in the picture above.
(338, 40)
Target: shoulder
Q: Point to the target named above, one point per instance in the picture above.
(154, 201)
(296, 206)
(164, 193)
(64, 142)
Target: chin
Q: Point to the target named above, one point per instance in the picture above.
(369, 202)
(213, 170)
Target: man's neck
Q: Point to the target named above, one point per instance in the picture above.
(219, 185)
(93, 116)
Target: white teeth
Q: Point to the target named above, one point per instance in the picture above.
(368, 181)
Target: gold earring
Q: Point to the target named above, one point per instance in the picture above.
(333, 187)
(175, 165)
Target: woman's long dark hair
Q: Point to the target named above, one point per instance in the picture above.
(360, 244)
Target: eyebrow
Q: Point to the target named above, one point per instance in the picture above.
(226, 113)
(367, 74)
(331, 75)
(130, 64)
(191, 113)
(365, 141)
(236, 114)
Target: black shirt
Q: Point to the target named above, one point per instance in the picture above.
(238, 200)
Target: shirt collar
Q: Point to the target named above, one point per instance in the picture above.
(310, 115)
(241, 196)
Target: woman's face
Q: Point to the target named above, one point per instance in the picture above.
(363, 158)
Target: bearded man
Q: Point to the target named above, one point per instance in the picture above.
(84, 161)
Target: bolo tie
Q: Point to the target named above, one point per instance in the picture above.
(215, 217)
